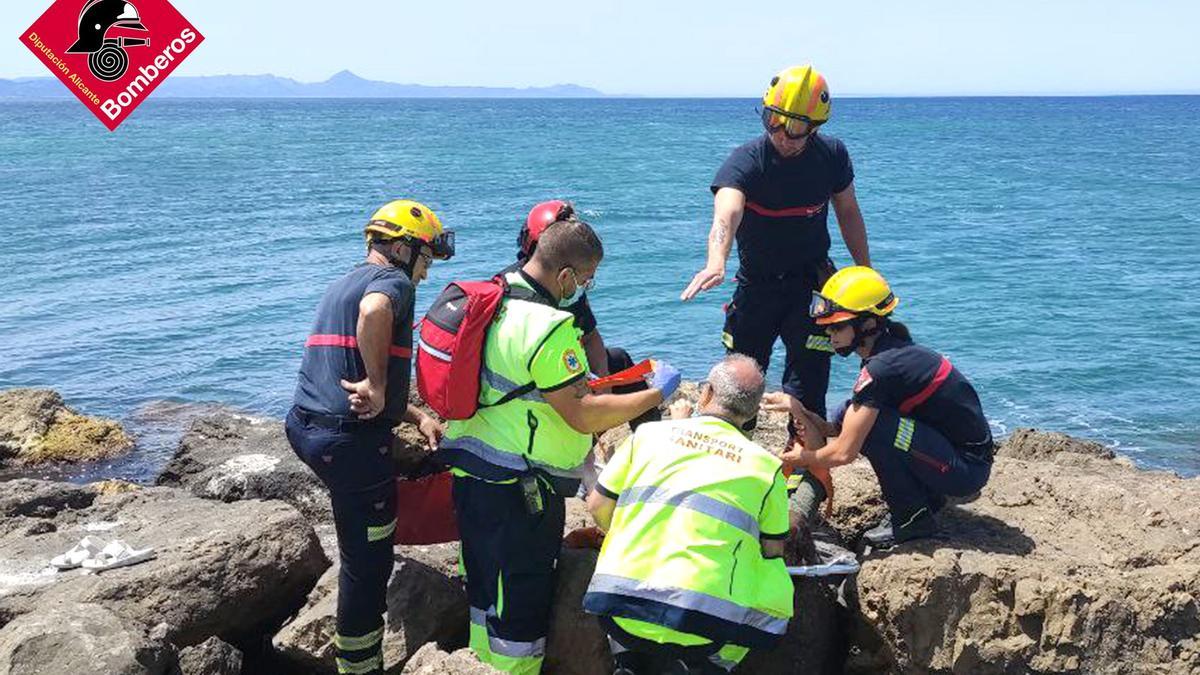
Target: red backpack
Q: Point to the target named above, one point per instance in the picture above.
(450, 346)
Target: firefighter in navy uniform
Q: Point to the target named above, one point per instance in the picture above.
(352, 390)
(912, 414)
(773, 194)
(602, 359)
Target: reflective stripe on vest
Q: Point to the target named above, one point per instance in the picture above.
(691, 600)
(683, 549)
(694, 501)
(504, 386)
(506, 460)
(512, 648)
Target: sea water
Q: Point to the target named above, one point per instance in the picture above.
(1050, 247)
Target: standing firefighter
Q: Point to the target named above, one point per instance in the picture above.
(773, 195)
(514, 461)
(352, 389)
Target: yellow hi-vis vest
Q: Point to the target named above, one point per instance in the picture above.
(694, 497)
(530, 342)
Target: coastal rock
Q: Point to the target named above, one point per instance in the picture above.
(211, 657)
(576, 644)
(1051, 446)
(114, 487)
(429, 660)
(37, 427)
(41, 499)
(227, 456)
(80, 638)
(232, 570)
(857, 502)
(423, 605)
(1069, 562)
(816, 638)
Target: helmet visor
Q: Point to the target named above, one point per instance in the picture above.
(443, 245)
(794, 127)
(825, 311)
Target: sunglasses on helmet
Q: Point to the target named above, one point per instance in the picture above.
(822, 307)
(443, 245)
(794, 127)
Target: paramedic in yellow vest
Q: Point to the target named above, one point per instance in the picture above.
(514, 462)
(691, 573)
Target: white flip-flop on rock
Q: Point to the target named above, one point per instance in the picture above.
(117, 554)
(85, 550)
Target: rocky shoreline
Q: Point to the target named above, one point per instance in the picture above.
(1071, 561)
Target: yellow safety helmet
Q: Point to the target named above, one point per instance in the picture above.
(407, 219)
(851, 293)
(797, 98)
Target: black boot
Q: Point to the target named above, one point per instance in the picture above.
(919, 526)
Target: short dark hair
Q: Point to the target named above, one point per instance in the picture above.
(569, 243)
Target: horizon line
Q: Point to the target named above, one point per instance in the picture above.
(630, 95)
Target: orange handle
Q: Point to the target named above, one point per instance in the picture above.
(627, 376)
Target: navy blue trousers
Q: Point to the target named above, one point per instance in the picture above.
(762, 311)
(510, 557)
(353, 459)
(917, 467)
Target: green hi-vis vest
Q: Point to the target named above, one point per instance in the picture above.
(530, 342)
(694, 497)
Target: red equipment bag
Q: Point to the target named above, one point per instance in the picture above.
(425, 510)
(450, 347)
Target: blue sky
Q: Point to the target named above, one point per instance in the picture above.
(697, 48)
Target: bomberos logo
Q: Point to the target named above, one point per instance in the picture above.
(112, 53)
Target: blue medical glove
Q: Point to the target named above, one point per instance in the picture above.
(665, 378)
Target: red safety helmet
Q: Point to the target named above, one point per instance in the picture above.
(540, 217)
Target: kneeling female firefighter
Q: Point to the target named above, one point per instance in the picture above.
(912, 414)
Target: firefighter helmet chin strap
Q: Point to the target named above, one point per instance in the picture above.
(385, 249)
(860, 333)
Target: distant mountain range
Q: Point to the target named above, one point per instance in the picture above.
(342, 85)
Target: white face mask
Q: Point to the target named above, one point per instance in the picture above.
(568, 300)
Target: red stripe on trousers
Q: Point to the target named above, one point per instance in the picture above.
(350, 342)
(939, 378)
(804, 211)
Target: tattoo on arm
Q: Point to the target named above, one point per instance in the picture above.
(581, 389)
(719, 232)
